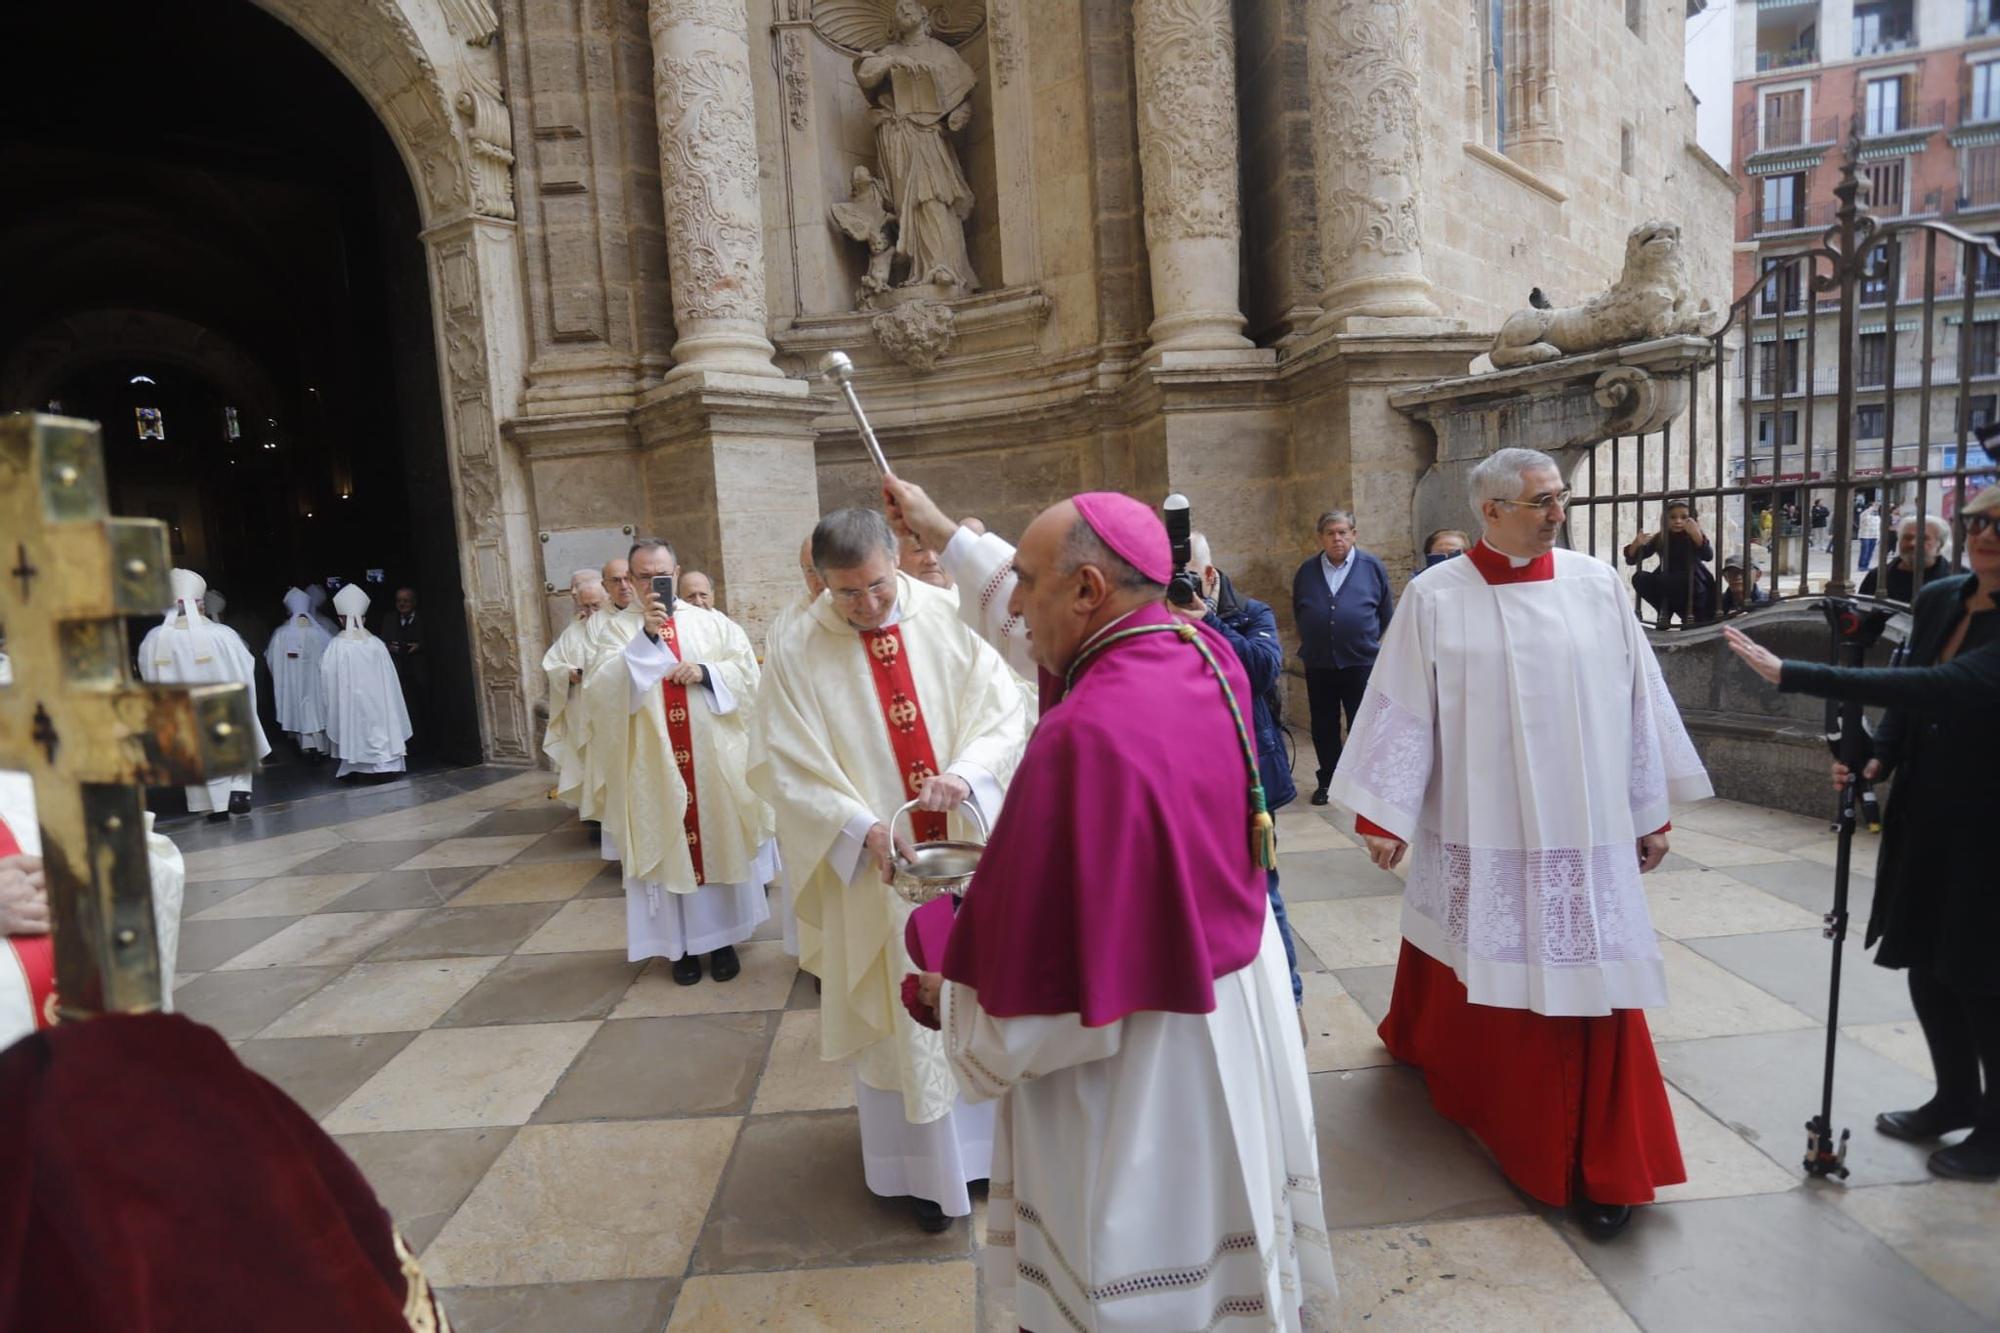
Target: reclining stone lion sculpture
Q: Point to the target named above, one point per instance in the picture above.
(1651, 299)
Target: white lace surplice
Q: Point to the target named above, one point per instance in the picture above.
(1159, 1172)
(1521, 738)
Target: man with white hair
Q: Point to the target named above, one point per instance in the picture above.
(697, 589)
(605, 709)
(187, 648)
(1518, 736)
(567, 737)
(1902, 582)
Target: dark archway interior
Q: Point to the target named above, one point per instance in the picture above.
(204, 220)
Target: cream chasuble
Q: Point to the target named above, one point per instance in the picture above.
(831, 772)
(567, 737)
(1520, 738)
(605, 697)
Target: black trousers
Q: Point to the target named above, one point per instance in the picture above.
(1963, 1033)
(1329, 693)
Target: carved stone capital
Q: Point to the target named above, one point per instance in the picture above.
(1364, 59)
(708, 176)
(489, 144)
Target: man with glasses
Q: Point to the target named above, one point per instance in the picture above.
(878, 696)
(1518, 736)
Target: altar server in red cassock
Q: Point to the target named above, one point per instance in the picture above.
(880, 695)
(1517, 740)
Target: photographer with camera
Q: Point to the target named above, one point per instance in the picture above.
(1203, 592)
(1935, 911)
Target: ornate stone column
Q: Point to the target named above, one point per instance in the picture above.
(708, 175)
(1363, 63)
(1184, 56)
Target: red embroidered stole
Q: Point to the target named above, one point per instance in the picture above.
(674, 698)
(896, 691)
(36, 953)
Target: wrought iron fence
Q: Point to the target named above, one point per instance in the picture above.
(1757, 452)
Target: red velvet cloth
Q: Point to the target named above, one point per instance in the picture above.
(1561, 1103)
(150, 1183)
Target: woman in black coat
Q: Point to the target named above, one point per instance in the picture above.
(1937, 894)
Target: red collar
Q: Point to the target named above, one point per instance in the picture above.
(1497, 568)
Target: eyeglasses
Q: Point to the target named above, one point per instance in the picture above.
(1978, 523)
(1560, 500)
(852, 596)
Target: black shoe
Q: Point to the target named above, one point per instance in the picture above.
(1922, 1125)
(1603, 1221)
(1319, 796)
(1970, 1160)
(723, 964)
(687, 969)
(930, 1217)
(239, 803)
(218, 816)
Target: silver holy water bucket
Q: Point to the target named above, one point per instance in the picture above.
(934, 869)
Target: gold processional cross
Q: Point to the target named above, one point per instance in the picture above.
(73, 719)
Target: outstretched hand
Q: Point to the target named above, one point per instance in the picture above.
(1759, 659)
(913, 512)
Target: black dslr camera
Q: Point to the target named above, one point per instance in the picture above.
(1184, 589)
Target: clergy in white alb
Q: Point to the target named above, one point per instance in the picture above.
(606, 700)
(187, 648)
(1518, 739)
(881, 696)
(567, 737)
(1115, 976)
(696, 842)
(293, 657)
(316, 596)
(367, 722)
(27, 952)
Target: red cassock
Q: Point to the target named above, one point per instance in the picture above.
(1562, 1103)
(150, 1182)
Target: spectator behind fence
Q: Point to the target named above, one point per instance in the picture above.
(1869, 530)
(1935, 911)
(1443, 544)
(1742, 585)
(1340, 605)
(1901, 583)
(1681, 585)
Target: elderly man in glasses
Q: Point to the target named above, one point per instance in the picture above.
(1517, 735)
(881, 696)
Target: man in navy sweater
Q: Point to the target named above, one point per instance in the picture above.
(1341, 605)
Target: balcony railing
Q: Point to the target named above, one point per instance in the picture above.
(1906, 119)
(1784, 133)
(1813, 217)
(1884, 43)
(1982, 18)
(1805, 53)
(1919, 206)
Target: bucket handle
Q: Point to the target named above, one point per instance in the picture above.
(969, 807)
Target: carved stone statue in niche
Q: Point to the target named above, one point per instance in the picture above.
(865, 216)
(918, 89)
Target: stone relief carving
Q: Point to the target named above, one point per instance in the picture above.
(1370, 139)
(1186, 74)
(708, 150)
(917, 333)
(473, 20)
(860, 26)
(728, 15)
(866, 216)
(919, 90)
(792, 63)
(1652, 298)
(489, 142)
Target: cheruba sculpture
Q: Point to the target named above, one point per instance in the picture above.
(1651, 299)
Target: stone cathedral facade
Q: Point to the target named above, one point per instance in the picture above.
(1146, 245)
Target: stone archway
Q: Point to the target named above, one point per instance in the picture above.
(431, 73)
(61, 348)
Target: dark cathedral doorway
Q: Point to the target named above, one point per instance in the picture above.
(209, 244)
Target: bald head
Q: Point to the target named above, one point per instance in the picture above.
(618, 582)
(698, 588)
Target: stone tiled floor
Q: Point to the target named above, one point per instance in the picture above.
(576, 1144)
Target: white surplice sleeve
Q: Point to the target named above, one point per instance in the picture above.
(647, 662)
(1665, 765)
(982, 565)
(1385, 766)
(991, 1055)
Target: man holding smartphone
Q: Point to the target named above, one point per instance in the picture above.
(697, 845)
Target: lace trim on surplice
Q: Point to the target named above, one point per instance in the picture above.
(1141, 1284)
(1545, 907)
(1395, 760)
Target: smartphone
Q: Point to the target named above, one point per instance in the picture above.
(663, 588)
